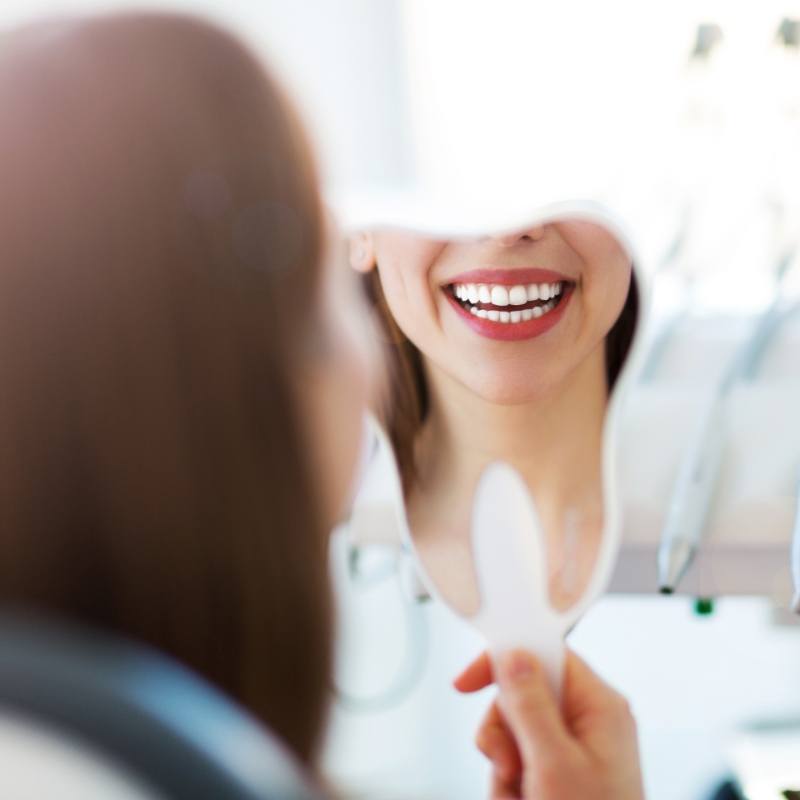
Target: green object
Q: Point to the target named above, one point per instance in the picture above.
(704, 606)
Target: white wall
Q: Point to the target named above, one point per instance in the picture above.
(343, 61)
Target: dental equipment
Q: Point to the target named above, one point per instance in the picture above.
(691, 497)
(796, 552)
(695, 485)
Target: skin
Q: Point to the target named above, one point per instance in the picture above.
(537, 404)
(587, 747)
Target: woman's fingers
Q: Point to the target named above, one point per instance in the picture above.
(582, 684)
(588, 697)
(478, 675)
(496, 742)
(503, 788)
(505, 761)
(585, 746)
(583, 687)
(531, 711)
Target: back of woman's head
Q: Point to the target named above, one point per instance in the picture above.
(160, 237)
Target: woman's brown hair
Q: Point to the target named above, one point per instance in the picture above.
(405, 404)
(160, 224)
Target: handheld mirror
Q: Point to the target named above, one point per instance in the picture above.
(506, 355)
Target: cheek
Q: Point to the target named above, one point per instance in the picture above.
(403, 294)
(606, 289)
(405, 264)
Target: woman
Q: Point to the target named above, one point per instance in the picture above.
(504, 348)
(181, 396)
(167, 335)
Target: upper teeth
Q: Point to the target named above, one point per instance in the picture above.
(492, 294)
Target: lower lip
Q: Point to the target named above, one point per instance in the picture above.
(513, 331)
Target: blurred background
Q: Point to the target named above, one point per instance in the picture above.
(684, 118)
(664, 109)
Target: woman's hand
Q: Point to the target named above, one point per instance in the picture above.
(586, 749)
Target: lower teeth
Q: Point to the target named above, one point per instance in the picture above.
(512, 317)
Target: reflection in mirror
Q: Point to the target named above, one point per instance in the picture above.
(502, 348)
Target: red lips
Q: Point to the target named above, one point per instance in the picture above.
(510, 277)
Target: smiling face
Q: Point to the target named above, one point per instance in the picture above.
(506, 349)
(509, 317)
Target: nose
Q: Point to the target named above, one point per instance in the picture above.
(532, 234)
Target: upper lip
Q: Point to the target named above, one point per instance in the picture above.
(502, 276)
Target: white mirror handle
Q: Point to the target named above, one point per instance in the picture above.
(511, 566)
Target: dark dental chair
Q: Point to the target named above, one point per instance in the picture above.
(85, 716)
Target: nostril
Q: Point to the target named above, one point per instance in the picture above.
(532, 234)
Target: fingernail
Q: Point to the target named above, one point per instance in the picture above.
(516, 666)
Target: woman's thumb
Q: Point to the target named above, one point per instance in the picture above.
(530, 707)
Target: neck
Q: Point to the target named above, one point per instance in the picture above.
(554, 440)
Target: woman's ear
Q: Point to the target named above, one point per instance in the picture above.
(362, 252)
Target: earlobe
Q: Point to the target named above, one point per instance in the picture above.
(362, 252)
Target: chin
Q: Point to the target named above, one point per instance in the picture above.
(511, 390)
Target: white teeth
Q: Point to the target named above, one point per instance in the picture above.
(517, 296)
(499, 296)
(473, 294)
(523, 315)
